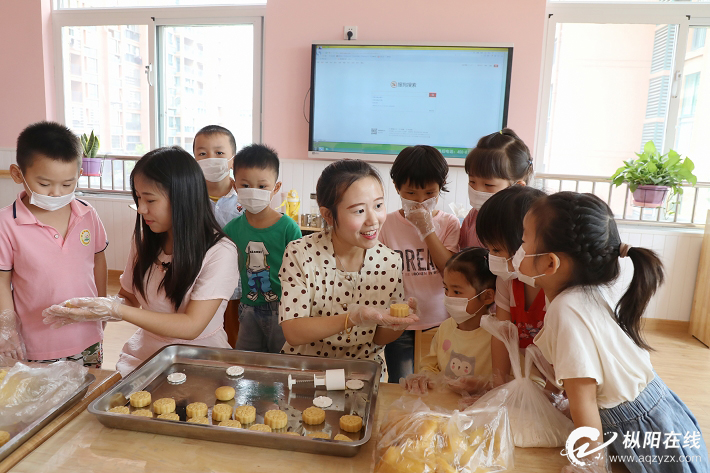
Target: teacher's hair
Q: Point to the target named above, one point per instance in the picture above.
(335, 180)
(195, 229)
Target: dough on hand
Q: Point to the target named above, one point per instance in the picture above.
(245, 414)
(276, 419)
(224, 393)
(196, 409)
(260, 428)
(221, 412)
(350, 423)
(120, 410)
(140, 399)
(313, 415)
(165, 405)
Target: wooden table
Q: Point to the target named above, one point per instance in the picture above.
(104, 380)
(85, 445)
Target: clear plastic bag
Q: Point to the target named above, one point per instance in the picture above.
(26, 393)
(534, 421)
(417, 439)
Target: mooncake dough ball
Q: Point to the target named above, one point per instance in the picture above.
(142, 413)
(319, 435)
(260, 428)
(165, 405)
(351, 423)
(245, 414)
(235, 424)
(276, 419)
(221, 412)
(120, 410)
(169, 416)
(313, 415)
(342, 438)
(399, 310)
(196, 409)
(4, 437)
(199, 420)
(140, 399)
(224, 393)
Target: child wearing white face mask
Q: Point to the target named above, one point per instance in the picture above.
(518, 300)
(214, 148)
(51, 249)
(425, 238)
(261, 236)
(498, 161)
(461, 349)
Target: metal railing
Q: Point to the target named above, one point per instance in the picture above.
(683, 210)
(114, 178)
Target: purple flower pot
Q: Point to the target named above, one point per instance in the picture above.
(649, 196)
(91, 166)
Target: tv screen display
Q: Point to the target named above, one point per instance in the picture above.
(379, 99)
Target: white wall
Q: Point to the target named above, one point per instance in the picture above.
(679, 249)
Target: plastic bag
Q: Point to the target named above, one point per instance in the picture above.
(26, 393)
(534, 421)
(417, 439)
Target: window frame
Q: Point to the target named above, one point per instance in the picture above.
(152, 17)
(684, 15)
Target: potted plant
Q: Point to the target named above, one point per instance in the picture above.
(90, 164)
(652, 175)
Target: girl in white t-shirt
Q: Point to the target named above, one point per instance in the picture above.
(181, 269)
(571, 248)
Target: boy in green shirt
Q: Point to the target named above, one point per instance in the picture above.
(261, 235)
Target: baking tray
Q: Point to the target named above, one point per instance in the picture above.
(263, 385)
(21, 432)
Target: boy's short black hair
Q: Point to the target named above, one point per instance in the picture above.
(419, 165)
(216, 130)
(50, 139)
(500, 219)
(257, 156)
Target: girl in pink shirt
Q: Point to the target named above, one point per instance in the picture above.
(498, 161)
(425, 238)
(181, 270)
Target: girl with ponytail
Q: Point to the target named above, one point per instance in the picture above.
(571, 248)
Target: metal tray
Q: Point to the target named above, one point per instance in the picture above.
(263, 385)
(21, 432)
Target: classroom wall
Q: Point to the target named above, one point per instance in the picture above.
(292, 26)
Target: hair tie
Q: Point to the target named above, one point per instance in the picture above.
(624, 250)
(501, 132)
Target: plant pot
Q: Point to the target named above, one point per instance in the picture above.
(649, 196)
(92, 166)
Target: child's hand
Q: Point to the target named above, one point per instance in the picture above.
(11, 343)
(417, 383)
(423, 221)
(467, 385)
(83, 309)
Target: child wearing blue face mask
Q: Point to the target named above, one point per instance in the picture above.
(461, 349)
(261, 236)
(498, 161)
(425, 238)
(51, 249)
(500, 228)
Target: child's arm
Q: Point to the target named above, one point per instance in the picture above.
(6, 302)
(582, 395)
(499, 354)
(130, 299)
(10, 339)
(187, 326)
(438, 252)
(100, 273)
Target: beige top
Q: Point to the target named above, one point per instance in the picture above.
(312, 286)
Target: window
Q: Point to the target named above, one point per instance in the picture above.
(126, 86)
(615, 77)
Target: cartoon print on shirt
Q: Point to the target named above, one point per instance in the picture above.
(460, 365)
(258, 272)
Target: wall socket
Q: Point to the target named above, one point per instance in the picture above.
(350, 28)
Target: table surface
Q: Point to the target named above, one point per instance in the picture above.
(84, 444)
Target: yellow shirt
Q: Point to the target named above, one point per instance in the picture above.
(458, 352)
